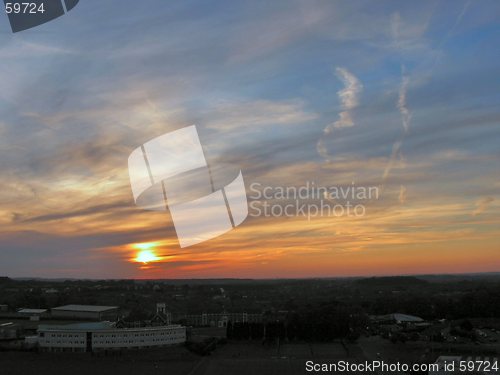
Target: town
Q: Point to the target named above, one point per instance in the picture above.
(416, 320)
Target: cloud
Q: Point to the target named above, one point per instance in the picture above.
(406, 118)
(396, 154)
(410, 40)
(349, 98)
(119, 208)
(230, 115)
(19, 48)
(450, 32)
(253, 79)
(396, 26)
(322, 151)
(401, 104)
(402, 194)
(482, 204)
(403, 109)
(275, 29)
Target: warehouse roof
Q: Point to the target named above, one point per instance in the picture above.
(398, 318)
(406, 318)
(32, 311)
(84, 308)
(76, 326)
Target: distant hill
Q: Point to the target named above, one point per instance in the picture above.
(391, 282)
(485, 276)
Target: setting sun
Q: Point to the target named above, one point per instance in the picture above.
(146, 252)
(146, 256)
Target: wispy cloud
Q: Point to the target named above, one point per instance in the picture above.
(25, 49)
(257, 113)
(349, 98)
(402, 194)
(397, 153)
(254, 77)
(482, 205)
(322, 150)
(403, 109)
(395, 156)
(401, 104)
(450, 32)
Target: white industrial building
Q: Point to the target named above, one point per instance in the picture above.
(89, 337)
(85, 312)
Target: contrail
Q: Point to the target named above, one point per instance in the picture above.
(349, 100)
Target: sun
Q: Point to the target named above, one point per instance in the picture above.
(146, 256)
(146, 253)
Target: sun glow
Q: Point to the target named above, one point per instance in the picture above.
(146, 256)
(146, 253)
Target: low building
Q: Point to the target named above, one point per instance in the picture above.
(32, 314)
(396, 319)
(220, 319)
(89, 312)
(91, 337)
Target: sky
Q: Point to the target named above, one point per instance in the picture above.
(401, 96)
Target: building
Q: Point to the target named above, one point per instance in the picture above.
(396, 319)
(92, 337)
(220, 319)
(162, 316)
(89, 312)
(33, 314)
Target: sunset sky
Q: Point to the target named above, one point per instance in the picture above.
(403, 96)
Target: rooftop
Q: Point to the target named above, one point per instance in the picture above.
(99, 326)
(32, 311)
(398, 318)
(76, 326)
(86, 308)
(406, 318)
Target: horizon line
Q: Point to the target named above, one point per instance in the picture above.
(489, 273)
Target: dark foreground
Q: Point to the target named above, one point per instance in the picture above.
(232, 358)
(242, 358)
